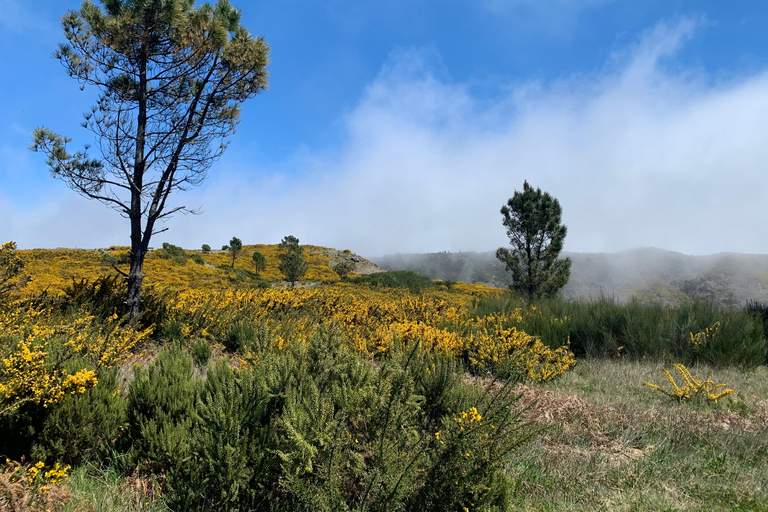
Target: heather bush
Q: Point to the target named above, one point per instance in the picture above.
(201, 352)
(239, 334)
(160, 413)
(83, 427)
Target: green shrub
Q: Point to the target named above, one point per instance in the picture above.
(83, 427)
(398, 279)
(343, 269)
(123, 258)
(174, 252)
(317, 427)
(161, 406)
(102, 297)
(173, 330)
(233, 465)
(239, 334)
(206, 248)
(601, 327)
(201, 352)
(197, 259)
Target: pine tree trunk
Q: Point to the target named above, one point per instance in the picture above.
(135, 280)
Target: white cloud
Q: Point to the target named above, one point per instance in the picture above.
(638, 154)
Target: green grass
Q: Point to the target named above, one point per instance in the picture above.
(615, 445)
(104, 490)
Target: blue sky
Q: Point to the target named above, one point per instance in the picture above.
(404, 126)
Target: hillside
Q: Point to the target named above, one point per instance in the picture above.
(54, 269)
(649, 274)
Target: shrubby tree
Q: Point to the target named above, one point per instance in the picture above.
(172, 79)
(292, 262)
(206, 248)
(235, 246)
(343, 269)
(532, 219)
(259, 261)
(11, 270)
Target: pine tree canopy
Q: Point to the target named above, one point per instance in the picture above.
(533, 222)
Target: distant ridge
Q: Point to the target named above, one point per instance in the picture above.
(648, 274)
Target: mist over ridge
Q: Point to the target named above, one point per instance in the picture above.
(648, 274)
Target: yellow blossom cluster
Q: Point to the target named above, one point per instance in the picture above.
(491, 344)
(703, 338)
(694, 386)
(36, 343)
(374, 321)
(54, 269)
(37, 479)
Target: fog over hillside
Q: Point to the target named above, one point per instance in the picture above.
(649, 274)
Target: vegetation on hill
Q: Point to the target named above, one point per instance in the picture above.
(380, 392)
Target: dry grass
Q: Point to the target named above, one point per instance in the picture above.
(612, 444)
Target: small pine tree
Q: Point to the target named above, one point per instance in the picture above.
(259, 261)
(235, 246)
(343, 269)
(532, 219)
(292, 262)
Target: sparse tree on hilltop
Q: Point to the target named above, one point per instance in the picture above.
(292, 262)
(206, 248)
(259, 261)
(235, 246)
(532, 219)
(172, 79)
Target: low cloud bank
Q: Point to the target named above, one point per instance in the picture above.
(640, 153)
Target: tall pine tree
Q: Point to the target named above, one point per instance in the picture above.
(533, 222)
(172, 79)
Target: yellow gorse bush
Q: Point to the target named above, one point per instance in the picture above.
(375, 321)
(693, 386)
(201, 300)
(35, 344)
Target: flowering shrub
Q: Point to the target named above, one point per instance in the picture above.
(36, 344)
(373, 321)
(33, 486)
(694, 387)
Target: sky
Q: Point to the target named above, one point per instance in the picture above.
(404, 126)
